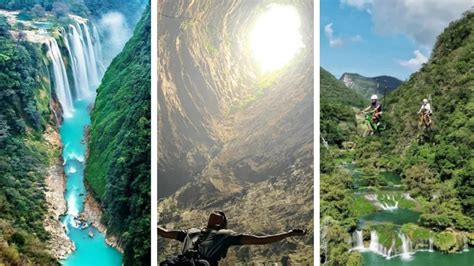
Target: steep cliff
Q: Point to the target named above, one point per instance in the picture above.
(229, 137)
(118, 165)
(25, 157)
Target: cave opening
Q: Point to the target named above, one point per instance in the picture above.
(275, 37)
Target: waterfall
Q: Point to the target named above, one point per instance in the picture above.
(98, 50)
(85, 63)
(387, 207)
(374, 241)
(92, 61)
(376, 247)
(80, 68)
(358, 240)
(466, 244)
(431, 244)
(61, 83)
(390, 204)
(406, 246)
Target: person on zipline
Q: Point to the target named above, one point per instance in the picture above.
(376, 109)
(209, 245)
(426, 112)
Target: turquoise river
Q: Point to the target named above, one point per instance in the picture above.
(89, 250)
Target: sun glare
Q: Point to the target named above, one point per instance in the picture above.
(275, 38)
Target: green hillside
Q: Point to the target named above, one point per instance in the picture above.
(118, 165)
(448, 79)
(337, 125)
(333, 89)
(337, 116)
(24, 155)
(435, 166)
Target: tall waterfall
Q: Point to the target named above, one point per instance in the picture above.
(61, 83)
(85, 62)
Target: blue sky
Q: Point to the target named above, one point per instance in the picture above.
(382, 37)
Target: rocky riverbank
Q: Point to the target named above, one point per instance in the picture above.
(92, 214)
(59, 244)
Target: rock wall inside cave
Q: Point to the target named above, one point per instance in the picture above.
(224, 141)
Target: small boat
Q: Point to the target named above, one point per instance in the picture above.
(91, 234)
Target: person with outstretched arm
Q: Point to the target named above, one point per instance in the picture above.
(209, 245)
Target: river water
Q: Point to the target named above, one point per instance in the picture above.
(400, 216)
(421, 258)
(89, 251)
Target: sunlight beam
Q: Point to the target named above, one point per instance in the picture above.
(275, 38)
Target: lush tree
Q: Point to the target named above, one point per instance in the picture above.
(60, 9)
(419, 180)
(23, 156)
(38, 11)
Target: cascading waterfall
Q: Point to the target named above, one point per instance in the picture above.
(92, 64)
(406, 246)
(86, 58)
(376, 247)
(358, 240)
(61, 83)
(387, 206)
(387, 203)
(466, 244)
(431, 244)
(98, 50)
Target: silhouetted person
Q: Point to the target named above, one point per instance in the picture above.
(209, 245)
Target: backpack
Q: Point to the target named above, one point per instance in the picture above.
(190, 257)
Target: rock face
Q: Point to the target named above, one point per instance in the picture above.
(60, 245)
(92, 214)
(365, 86)
(221, 144)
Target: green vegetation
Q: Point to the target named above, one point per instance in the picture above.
(23, 159)
(388, 234)
(335, 90)
(416, 233)
(445, 242)
(118, 166)
(339, 208)
(362, 206)
(337, 119)
(436, 167)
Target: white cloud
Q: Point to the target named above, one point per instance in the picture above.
(359, 4)
(333, 41)
(420, 20)
(414, 63)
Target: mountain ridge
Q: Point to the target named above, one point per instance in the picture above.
(367, 86)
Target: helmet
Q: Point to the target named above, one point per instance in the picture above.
(425, 100)
(374, 97)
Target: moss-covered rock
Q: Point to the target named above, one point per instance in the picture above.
(388, 234)
(470, 238)
(419, 236)
(448, 242)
